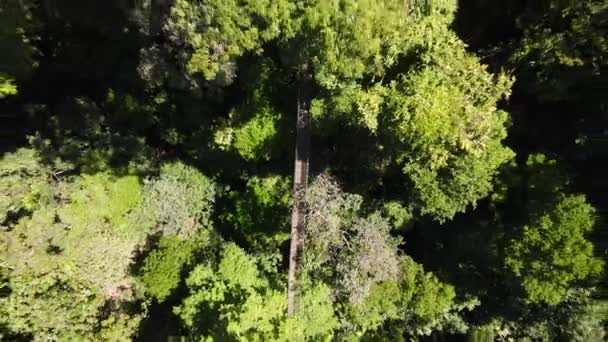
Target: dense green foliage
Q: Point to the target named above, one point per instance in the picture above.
(552, 252)
(163, 267)
(231, 300)
(70, 244)
(70, 255)
(456, 171)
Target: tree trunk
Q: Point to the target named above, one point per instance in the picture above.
(298, 213)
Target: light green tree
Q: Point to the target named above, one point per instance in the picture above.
(221, 31)
(67, 257)
(551, 255)
(428, 102)
(231, 299)
(68, 244)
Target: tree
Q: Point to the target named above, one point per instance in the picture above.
(68, 256)
(69, 243)
(15, 38)
(532, 255)
(446, 138)
(557, 56)
(344, 249)
(230, 299)
(552, 254)
(260, 212)
(581, 318)
(420, 106)
(220, 31)
(162, 270)
(414, 304)
(254, 128)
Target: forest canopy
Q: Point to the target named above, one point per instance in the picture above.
(448, 181)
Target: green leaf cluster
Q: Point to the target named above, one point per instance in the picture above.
(552, 254)
(178, 203)
(231, 300)
(344, 247)
(417, 302)
(220, 31)
(252, 129)
(67, 260)
(162, 270)
(68, 253)
(260, 212)
(563, 44)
